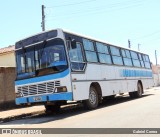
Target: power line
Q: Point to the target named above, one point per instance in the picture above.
(71, 4)
(95, 11)
(90, 12)
(114, 5)
(148, 35)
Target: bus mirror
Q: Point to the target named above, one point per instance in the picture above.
(73, 44)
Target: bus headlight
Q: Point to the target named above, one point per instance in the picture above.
(18, 95)
(61, 89)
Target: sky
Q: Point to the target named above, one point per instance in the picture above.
(113, 21)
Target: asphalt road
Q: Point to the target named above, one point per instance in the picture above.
(122, 112)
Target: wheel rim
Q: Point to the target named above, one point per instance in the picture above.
(92, 97)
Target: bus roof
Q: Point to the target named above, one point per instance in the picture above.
(80, 35)
(98, 40)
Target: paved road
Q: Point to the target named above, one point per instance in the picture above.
(121, 112)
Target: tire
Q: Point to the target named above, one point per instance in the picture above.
(139, 91)
(93, 100)
(52, 108)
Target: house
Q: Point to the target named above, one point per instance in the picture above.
(7, 77)
(7, 57)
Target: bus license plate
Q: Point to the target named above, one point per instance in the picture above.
(39, 98)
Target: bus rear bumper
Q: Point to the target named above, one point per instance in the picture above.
(45, 98)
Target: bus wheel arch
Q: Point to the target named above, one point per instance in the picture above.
(94, 96)
(98, 89)
(139, 92)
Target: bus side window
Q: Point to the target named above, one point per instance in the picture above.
(126, 57)
(76, 57)
(146, 61)
(141, 60)
(117, 58)
(135, 59)
(103, 53)
(90, 52)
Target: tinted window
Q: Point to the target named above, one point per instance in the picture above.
(91, 56)
(147, 65)
(128, 53)
(76, 54)
(115, 51)
(104, 58)
(142, 63)
(127, 61)
(134, 55)
(147, 58)
(117, 60)
(102, 48)
(30, 67)
(146, 61)
(123, 53)
(88, 45)
(136, 63)
(76, 58)
(116, 57)
(140, 57)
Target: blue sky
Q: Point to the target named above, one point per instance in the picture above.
(113, 21)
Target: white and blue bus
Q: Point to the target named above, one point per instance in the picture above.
(57, 66)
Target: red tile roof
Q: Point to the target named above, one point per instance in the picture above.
(7, 49)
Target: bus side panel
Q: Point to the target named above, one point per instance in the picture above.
(81, 90)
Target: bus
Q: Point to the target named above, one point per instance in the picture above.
(58, 66)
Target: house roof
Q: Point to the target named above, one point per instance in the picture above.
(7, 49)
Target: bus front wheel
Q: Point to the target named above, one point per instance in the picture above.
(52, 108)
(92, 101)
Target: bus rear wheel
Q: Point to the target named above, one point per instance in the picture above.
(138, 93)
(93, 100)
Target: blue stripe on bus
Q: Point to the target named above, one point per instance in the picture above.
(42, 78)
(45, 98)
(136, 73)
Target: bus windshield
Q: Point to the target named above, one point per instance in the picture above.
(41, 59)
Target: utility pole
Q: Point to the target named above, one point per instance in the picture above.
(139, 47)
(43, 19)
(156, 56)
(129, 44)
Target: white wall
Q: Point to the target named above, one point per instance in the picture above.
(8, 59)
(156, 79)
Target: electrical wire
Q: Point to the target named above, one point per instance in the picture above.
(71, 4)
(148, 35)
(96, 11)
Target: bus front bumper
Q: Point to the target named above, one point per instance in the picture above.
(45, 98)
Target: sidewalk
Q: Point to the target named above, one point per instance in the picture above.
(20, 112)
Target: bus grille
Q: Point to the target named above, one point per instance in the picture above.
(37, 89)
